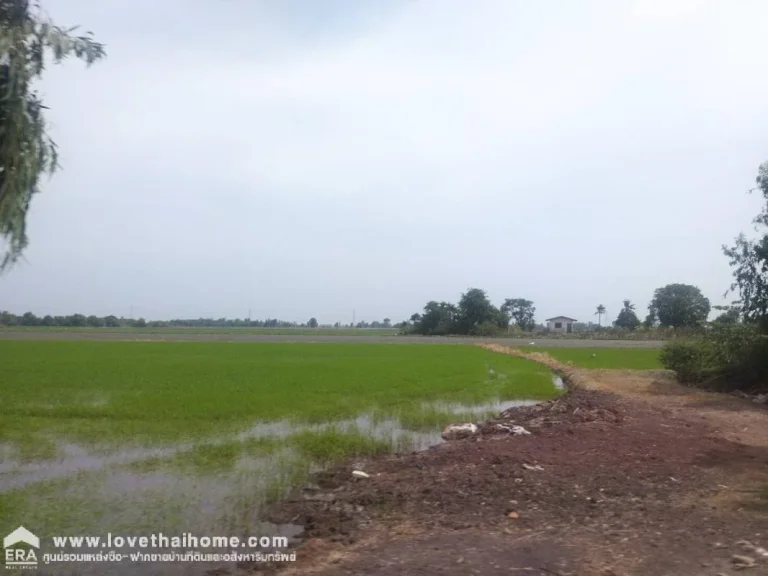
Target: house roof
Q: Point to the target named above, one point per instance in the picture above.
(561, 318)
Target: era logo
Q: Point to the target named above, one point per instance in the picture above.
(20, 557)
(16, 557)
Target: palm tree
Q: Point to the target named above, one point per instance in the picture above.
(627, 318)
(599, 313)
(27, 36)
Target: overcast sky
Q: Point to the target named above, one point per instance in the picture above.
(308, 158)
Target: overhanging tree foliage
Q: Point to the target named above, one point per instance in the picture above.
(749, 260)
(27, 38)
(729, 314)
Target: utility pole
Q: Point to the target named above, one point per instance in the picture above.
(353, 318)
(131, 311)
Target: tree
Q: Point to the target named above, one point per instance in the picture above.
(439, 318)
(94, 321)
(77, 320)
(111, 321)
(679, 306)
(29, 319)
(26, 150)
(599, 313)
(729, 314)
(312, 322)
(7, 319)
(387, 323)
(749, 260)
(475, 309)
(521, 311)
(474, 314)
(627, 317)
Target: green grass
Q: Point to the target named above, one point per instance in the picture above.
(105, 392)
(203, 399)
(333, 445)
(612, 358)
(209, 458)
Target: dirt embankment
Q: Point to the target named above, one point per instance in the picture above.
(628, 474)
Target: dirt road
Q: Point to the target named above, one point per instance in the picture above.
(229, 337)
(628, 474)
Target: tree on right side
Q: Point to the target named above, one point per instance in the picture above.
(749, 260)
(679, 306)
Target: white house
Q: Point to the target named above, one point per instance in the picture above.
(561, 324)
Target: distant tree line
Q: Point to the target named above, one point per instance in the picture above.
(674, 306)
(81, 320)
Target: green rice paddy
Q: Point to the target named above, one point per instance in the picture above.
(202, 435)
(100, 436)
(144, 392)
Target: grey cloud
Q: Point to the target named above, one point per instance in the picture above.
(301, 162)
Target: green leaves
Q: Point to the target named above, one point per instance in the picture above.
(627, 317)
(679, 306)
(26, 150)
(521, 311)
(474, 314)
(749, 261)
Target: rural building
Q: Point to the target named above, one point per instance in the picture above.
(560, 324)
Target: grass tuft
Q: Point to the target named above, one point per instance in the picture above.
(329, 446)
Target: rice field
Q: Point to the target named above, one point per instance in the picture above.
(100, 436)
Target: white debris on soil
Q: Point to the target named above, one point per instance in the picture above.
(747, 546)
(459, 431)
(742, 561)
(359, 474)
(514, 430)
(530, 467)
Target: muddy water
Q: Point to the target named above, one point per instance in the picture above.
(102, 492)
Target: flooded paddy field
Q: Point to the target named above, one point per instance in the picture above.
(139, 437)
